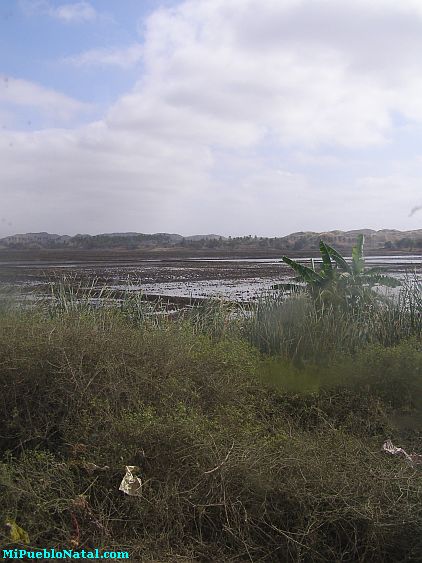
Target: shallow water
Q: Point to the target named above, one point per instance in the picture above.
(233, 279)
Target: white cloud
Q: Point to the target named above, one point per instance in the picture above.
(6, 119)
(79, 180)
(227, 87)
(18, 92)
(289, 66)
(118, 57)
(74, 12)
(389, 196)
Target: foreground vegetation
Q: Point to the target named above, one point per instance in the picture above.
(258, 436)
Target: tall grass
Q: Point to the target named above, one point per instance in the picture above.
(236, 466)
(297, 328)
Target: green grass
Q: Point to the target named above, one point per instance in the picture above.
(299, 330)
(244, 456)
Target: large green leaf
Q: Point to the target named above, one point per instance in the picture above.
(358, 262)
(327, 265)
(338, 259)
(306, 274)
(344, 283)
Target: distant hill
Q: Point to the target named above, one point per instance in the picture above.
(34, 239)
(106, 240)
(385, 239)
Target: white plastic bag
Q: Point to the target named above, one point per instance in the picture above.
(131, 485)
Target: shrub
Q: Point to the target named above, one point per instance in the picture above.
(232, 468)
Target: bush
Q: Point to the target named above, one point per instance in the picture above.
(232, 468)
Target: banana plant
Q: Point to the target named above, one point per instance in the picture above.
(338, 281)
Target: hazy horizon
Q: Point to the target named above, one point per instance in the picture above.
(232, 117)
(187, 235)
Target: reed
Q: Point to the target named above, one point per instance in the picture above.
(296, 327)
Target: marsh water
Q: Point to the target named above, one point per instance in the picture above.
(233, 279)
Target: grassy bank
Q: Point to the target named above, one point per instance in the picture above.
(257, 438)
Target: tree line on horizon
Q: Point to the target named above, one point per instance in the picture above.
(410, 241)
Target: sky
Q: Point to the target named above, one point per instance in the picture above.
(236, 117)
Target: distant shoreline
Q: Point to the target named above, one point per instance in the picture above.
(78, 255)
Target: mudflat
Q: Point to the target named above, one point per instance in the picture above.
(168, 273)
